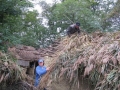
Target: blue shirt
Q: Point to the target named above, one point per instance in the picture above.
(40, 71)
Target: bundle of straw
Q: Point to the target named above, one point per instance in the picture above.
(95, 57)
(45, 78)
(11, 75)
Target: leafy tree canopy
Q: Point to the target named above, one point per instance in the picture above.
(92, 14)
(18, 25)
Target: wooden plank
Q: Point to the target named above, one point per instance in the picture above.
(23, 63)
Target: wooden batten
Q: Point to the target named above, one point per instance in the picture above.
(23, 63)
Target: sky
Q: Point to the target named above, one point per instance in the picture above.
(37, 6)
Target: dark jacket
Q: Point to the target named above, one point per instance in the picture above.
(72, 29)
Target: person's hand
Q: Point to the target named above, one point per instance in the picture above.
(48, 68)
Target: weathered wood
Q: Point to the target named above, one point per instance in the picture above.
(23, 63)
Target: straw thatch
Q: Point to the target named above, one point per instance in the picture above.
(29, 53)
(95, 56)
(22, 52)
(12, 77)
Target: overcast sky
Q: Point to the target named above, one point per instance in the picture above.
(37, 6)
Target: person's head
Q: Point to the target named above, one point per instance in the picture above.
(77, 25)
(41, 62)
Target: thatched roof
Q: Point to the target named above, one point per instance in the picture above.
(28, 53)
(22, 52)
(95, 56)
(12, 76)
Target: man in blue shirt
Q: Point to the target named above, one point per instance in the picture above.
(40, 71)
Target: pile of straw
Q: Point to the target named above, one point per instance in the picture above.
(95, 56)
(12, 77)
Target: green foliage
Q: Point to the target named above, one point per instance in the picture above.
(92, 14)
(11, 8)
(63, 14)
(17, 24)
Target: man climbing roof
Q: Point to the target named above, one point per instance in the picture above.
(73, 29)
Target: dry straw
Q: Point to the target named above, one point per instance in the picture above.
(95, 56)
(11, 75)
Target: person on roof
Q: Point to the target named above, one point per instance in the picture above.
(73, 29)
(40, 71)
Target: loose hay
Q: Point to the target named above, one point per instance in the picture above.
(95, 57)
(12, 77)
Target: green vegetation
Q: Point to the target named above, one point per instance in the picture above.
(18, 25)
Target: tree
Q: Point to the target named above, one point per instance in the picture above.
(108, 13)
(92, 14)
(16, 22)
(114, 16)
(10, 11)
(61, 15)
